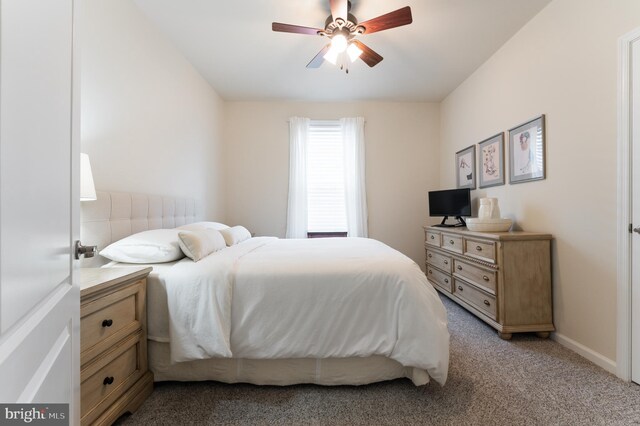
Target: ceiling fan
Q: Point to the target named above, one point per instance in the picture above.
(342, 28)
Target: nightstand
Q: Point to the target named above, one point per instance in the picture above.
(113, 343)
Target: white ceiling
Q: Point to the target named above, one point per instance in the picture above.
(231, 44)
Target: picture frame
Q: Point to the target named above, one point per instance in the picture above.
(491, 161)
(466, 168)
(527, 160)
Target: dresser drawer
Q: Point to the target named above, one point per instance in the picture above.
(439, 260)
(108, 382)
(480, 300)
(484, 250)
(476, 275)
(432, 238)
(452, 243)
(439, 278)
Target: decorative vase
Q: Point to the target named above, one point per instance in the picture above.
(495, 209)
(484, 212)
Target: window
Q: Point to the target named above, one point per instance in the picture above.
(326, 209)
(327, 194)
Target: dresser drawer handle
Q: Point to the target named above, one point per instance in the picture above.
(430, 271)
(108, 380)
(107, 323)
(432, 237)
(446, 281)
(460, 288)
(446, 262)
(478, 248)
(486, 278)
(486, 302)
(430, 256)
(459, 268)
(451, 242)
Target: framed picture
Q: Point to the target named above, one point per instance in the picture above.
(527, 151)
(466, 168)
(491, 152)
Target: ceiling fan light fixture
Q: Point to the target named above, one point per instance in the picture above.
(354, 52)
(331, 55)
(339, 43)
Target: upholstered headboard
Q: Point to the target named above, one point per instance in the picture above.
(115, 215)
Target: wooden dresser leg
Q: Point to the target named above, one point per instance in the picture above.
(543, 334)
(505, 336)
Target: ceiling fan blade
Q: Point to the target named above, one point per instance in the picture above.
(369, 57)
(393, 19)
(319, 58)
(297, 29)
(339, 9)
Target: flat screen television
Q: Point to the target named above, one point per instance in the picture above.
(450, 202)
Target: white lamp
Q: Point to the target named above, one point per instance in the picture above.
(87, 188)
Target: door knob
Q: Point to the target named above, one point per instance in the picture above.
(86, 251)
(636, 230)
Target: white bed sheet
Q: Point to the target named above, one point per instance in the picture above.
(339, 298)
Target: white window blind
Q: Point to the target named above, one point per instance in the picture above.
(325, 178)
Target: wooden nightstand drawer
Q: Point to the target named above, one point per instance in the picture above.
(478, 299)
(483, 250)
(439, 278)
(481, 277)
(109, 380)
(439, 260)
(452, 243)
(109, 315)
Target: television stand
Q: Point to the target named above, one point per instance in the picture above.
(458, 224)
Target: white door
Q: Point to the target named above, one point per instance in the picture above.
(39, 204)
(635, 208)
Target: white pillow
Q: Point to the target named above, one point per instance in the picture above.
(198, 244)
(235, 235)
(154, 246)
(203, 225)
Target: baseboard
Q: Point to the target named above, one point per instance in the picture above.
(593, 356)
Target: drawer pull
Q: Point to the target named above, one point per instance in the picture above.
(446, 262)
(460, 288)
(478, 248)
(107, 323)
(432, 237)
(108, 380)
(430, 256)
(486, 302)
(451, 242)
(486, 278)
(459, 268)
(446, 281)
(430, 271)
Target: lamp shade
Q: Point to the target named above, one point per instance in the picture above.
(87, 188)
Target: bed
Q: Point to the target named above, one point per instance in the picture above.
(280, 312)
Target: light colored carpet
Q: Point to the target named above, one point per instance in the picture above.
(527, 381)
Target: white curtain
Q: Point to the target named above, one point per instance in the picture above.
(354, 179)
(297, 206)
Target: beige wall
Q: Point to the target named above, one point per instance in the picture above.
(150, 122)
(401, 142)
(563, 63)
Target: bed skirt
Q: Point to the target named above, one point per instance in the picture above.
(281, 372)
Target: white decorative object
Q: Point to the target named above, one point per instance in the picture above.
(495, 209)
(484, 212)
(488, 225)
(488, 219)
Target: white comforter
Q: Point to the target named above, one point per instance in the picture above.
(317, 298)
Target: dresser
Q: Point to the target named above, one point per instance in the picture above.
(113, 343)
(504, 278)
